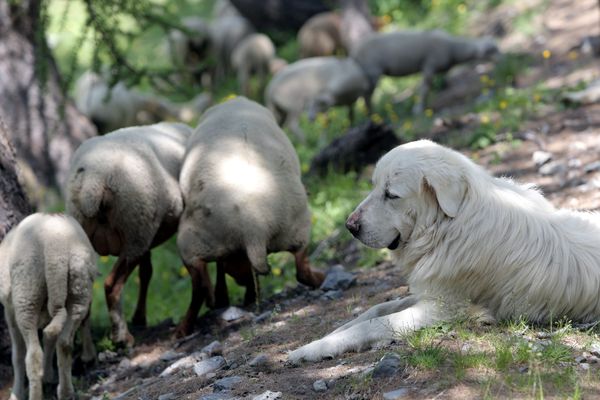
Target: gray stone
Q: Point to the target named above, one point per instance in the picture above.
(170, 355)
(541, 157)
(232, 314)
(595, 349)
(552, 168)
(320, 386)
(184, 363)
(388, 366)
(124, 364)
(167, 396)
(107, 355)
(213, 349)
(218, 396)
(268, 395)
(396, 394)
(580, 359)
(591, 167)
(543, 335)
(262, 317)
(338, 279)
(227, 383)
(332, 295)
(260, 361)
(212, 364)
(584, 366)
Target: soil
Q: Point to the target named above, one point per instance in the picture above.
(299, 315)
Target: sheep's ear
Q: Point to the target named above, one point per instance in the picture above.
(448, 192)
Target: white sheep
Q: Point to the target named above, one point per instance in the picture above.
(243, 198)
(407, 52)
(254, 56)
(123, 188)
(314, 84)
(120, 106)
(47, 268)
(226, 33)
(321, 35)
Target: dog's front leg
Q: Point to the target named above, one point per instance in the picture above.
(369, 332)
(387, 308)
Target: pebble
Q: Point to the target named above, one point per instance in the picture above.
(218, 396)
(213, 349)
(262, 317)
(260, 361)
(232, 314)
(591, 167)
(388, 366)
(595, 349)
(541, 157)
(552, 168)
(580, 359)
(167, 396)
(124, 364)
(227, 383)
(320, 386)
(107, 355)
(268, 395)
(212, 364)
(543, 335)
(584, 366)
(338, 279)
(396, 394)
(170, 355)
(332, 295)
(183, 363)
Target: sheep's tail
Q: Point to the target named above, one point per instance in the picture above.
(90, 195)
(257, 254)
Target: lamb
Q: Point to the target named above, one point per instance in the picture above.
(47, 268)
(254, 55)
(314, 84)
(243, 199)
(226, 33)
(408, 52)
(321, 35)
(123, 188)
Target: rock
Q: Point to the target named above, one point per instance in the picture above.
(213, 349)
(396, 394)
(261, 361)
(552, 168)
(268, 395)
(262, 317)
(124, 364)
(218, 396)
(184, 363)
(595, 349)
(574, 163)
(541, 157)
(580, 359)
(388, 366)
(332, 295)
(523, 370)
(320, 386)
(107, 355)
(227, 383)
(212, 364)
(233, 314)
(170, 355)
(167, 396)
(338, 279)
(466, 347)
(584, 366)
(591, 167)
(543, 335)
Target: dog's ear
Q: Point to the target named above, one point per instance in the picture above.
(448, 192)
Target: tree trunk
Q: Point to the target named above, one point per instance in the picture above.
(43, 125)
(13, 208)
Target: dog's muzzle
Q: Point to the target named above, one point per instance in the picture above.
(395, 243)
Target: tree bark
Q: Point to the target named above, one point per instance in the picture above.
(13, 208)
(42, 123)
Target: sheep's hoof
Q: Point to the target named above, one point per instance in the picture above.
(123, 339)
(182, 330)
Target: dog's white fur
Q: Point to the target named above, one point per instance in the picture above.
(468, 241)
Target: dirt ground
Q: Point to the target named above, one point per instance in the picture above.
(297, 316)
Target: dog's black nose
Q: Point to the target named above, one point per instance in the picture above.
(353, 224)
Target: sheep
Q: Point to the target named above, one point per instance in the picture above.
(243, 199)
(226, 33)
(406, 52)
(254, 55)
(123, 189)
(47, 268)
(321, 35)
(314, 84)
(111, 108)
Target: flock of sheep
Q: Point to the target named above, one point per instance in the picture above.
(230, 188)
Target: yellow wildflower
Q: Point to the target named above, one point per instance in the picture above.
(376, 118)
(546, 54)
(429, 112)
(183, 272)
(407, 125)
(104, 259)
(484, 119)
(503, 104)
(277, 271)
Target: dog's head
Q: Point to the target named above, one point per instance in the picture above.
(415, 184)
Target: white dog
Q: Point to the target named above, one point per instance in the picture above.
(468, 241)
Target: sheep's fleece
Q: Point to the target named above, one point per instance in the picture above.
(47, 267)
(472, 245)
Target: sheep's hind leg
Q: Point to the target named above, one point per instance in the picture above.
(145, 271)
(64, 357)
(113, 285)
(201, 289)
(51, 332)
(304, 273)
(18, 356)
(34, 356)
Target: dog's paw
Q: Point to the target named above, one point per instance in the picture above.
(315, 351)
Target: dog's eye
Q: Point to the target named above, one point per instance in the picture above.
(390, 196)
